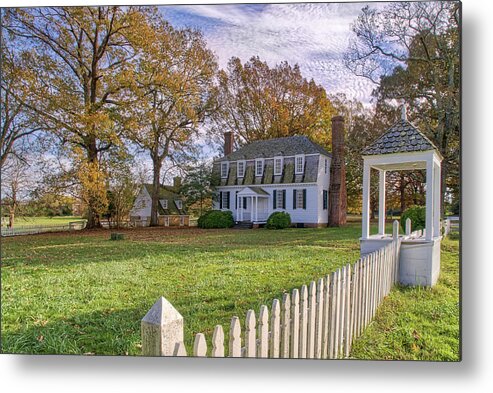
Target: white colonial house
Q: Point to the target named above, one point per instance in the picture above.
(289, 174)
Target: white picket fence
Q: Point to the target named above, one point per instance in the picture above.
(318, 321)
(35, 229)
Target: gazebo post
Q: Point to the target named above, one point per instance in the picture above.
(436, 201)
(429, 197)
(366, 201)
(381, 202)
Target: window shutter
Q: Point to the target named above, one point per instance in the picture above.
(227, 199)
(294, 199)
(284, 199)
(220, 199)
(304, 198)
(274, 200)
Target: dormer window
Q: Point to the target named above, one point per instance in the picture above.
(179, 204)
(299, 164)
(224, 169)
(278, 166)
(240, 168)
(259, 167)
(164, 203)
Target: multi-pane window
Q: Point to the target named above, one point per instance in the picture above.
(224, 200)
(299, 199)
(299, 164)
(179, 204)
(259, 167)
(279, 199)
(325, 199)
(224, 169)
(278, 166)
(326, 166)
(164, 203)
(241, 168)
(182, 220)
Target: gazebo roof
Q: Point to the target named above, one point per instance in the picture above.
(402, 137)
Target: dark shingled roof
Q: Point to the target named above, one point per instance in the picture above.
(288, 146)
(171, 194)
(402, 137)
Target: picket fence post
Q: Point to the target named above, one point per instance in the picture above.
(161, 329)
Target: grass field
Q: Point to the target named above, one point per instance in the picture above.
(82, 293)
(45, 221)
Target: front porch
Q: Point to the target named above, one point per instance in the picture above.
(253, 205)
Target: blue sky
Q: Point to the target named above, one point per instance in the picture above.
(314, 35)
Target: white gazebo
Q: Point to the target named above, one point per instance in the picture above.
(404, 147)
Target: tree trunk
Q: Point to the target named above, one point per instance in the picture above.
(157, 164)
(402, 190)
(93, 219)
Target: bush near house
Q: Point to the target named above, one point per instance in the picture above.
(417, 214)
(216, 219)
(278, 220)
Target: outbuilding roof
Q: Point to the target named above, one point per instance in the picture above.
(402, 137)
(171, 194)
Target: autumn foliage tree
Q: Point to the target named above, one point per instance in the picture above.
(260, 102)
(174, 88)
(79, 63)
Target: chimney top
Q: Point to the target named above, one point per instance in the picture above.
(404, 112)
(228, 143)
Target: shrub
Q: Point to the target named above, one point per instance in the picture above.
(278, 220)
(417, 214)
(216, 219)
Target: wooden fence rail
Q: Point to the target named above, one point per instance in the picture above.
(318, 321)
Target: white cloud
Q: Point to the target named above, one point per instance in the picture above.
(314, 35)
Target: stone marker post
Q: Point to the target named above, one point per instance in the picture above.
(161, 329)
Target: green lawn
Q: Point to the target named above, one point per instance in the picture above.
(82, 293)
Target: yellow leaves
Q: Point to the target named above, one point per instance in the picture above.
(93, 185)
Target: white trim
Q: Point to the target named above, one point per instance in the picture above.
(298, 185)
(257, 160)
(238, 168)
(226, 165)
(296, 157)
(164, 203)
(180, 202)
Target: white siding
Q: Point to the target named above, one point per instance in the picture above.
(310, 215)
(142, 204)
(323, 184)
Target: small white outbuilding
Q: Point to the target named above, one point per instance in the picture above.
(404, 147)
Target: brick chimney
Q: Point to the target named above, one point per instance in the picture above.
(228, 143)
(177, 182)
(337, 189)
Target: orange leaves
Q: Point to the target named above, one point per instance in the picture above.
(259, 102)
